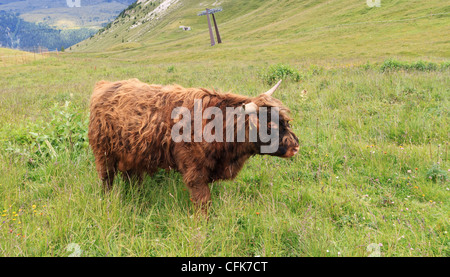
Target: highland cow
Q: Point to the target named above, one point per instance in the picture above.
(131, 131)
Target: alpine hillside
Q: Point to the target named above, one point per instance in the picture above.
(278, 29)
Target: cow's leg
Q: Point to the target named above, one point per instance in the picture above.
(201, 196)
(195, 176)
(133, 176)
(197, 183)
(106, 170)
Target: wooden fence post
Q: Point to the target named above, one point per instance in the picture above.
(217, 29)
(210, 29)
(211, 35)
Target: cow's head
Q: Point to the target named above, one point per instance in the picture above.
(270, 116)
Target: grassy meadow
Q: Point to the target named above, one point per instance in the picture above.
(372, 176)
(15, 57)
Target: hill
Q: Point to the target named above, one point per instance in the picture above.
(18, 33)
(53, 24)
(58, 14)
(279, 29)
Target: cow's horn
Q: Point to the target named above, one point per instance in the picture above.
(250, 108)
(270, 91)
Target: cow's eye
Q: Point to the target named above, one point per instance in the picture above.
(285, 124)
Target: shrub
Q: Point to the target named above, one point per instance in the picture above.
(280, 71)
(65, 131)
(366, 66)
(435, 173)
(394, 65)
(445, 65)
(171, 69)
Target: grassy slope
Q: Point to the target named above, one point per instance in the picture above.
(372, 167)
(12, 56)
(288, 30)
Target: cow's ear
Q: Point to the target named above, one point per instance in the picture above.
(272, 90)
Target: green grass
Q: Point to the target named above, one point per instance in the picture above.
(373, 166)
(284, 30)
(13, 57)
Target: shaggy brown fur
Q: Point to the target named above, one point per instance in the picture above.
(130, 131)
